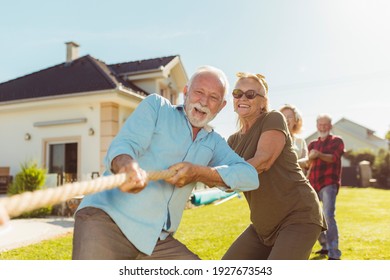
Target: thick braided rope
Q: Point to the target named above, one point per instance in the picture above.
(28, 201)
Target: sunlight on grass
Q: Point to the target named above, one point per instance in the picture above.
(55, 249)
(214, 226)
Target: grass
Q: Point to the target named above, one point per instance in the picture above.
(59, 248)
(363, 217)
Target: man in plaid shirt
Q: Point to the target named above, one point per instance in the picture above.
(325, 177)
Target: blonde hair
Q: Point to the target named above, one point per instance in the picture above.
(297, 115)
(261, 80)
(258, 77)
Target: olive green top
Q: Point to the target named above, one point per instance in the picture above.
(284, 196)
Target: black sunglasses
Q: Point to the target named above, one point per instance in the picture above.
(250, 94)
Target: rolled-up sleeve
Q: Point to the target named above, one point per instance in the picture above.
(234, 170)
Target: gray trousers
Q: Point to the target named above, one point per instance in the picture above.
(97, 237)
(294, 242)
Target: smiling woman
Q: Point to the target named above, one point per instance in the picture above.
(250, 99)
(286, 217)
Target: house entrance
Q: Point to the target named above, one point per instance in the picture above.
(62, 160)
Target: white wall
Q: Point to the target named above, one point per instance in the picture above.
(16, 122)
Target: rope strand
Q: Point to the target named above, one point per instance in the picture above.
(28, 201)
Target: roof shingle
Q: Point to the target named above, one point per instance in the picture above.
(141, 65)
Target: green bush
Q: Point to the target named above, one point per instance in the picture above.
(357, 156)
(380, 164)
(381, 168)
(30, 178)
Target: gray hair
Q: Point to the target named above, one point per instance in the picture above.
(217, 72)
(324, 116)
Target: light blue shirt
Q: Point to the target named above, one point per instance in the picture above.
(158, 135)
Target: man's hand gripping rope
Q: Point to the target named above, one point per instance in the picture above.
(15, 205)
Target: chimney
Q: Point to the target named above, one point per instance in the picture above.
(72, 51)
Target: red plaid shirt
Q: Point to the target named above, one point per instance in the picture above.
(324, 173)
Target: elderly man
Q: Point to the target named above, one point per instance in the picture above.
(325, 177)
(138, 220)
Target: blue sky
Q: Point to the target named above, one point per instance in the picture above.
(329, 56)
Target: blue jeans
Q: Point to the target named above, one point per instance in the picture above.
(329, 239)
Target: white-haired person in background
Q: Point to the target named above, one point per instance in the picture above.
(325, 154)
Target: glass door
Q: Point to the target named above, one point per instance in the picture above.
(63, 160)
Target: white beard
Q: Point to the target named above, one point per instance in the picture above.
(323, 135)
(194, 120)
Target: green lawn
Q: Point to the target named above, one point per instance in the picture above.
(363, 216)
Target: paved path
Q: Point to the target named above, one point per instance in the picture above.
(23, 232)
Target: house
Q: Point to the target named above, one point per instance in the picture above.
(64, 117)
